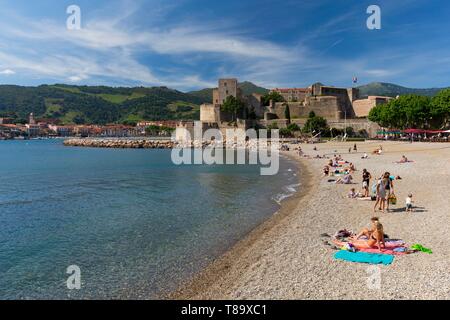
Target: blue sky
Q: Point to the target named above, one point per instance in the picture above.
(189, 44)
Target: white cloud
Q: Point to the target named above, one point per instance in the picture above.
(7, 72)
(379, 72)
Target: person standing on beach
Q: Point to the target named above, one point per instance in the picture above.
(380, 194)
(366, 176)
(355, 148)
(389, 187)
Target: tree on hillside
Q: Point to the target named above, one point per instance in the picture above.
(274, 96)
(233, 106)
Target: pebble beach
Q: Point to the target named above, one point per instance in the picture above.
(286, 258)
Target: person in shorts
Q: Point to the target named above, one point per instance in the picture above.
(366, 182)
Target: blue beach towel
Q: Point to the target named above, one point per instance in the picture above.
(364, 257)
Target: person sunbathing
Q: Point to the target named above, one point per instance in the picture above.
(374, 235)
(352, 167)
(326, 171)
(346, 180)
(403, 160)
(377, 237)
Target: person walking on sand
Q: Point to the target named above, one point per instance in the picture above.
(381, 195)
(355, 148)
(366, 176)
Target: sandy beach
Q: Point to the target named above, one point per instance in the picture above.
(285, 257)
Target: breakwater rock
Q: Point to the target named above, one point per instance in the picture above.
(120, 143)
(162, 144)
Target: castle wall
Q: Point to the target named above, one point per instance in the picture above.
(216, 96)
(326, 107)
(209, 113)
(362, 107)
(357, 124)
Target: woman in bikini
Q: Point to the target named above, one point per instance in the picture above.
(374, 235)
(377, 237)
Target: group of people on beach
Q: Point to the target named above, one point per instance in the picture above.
(382, 190)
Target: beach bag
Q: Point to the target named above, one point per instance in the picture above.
(393, 199)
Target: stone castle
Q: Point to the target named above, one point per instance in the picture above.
(341, 107)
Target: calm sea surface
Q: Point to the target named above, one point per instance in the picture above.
(134, 223)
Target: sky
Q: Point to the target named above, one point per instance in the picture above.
(189, 44)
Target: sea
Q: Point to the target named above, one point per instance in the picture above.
(86, 223)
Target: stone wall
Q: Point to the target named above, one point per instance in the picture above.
(327, 107)
(209, 113)
(254, 101)
(362, 107)
(356, 124)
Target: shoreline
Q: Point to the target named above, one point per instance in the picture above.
(285, 257)
(190, 288)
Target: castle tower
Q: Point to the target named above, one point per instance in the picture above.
(227, 87)
(31, 119)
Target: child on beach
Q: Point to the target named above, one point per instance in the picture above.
(409, 202)
(352, 194)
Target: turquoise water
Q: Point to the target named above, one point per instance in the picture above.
(134, 223)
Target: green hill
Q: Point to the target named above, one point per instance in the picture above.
(393, 90)
(97, 104)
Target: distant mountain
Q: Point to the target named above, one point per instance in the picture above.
(97, 104)
(247, 88)
(393, 90)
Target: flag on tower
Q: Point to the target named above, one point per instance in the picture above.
(355, 80)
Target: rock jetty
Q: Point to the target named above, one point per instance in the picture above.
(161, 144)
(120, 143)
